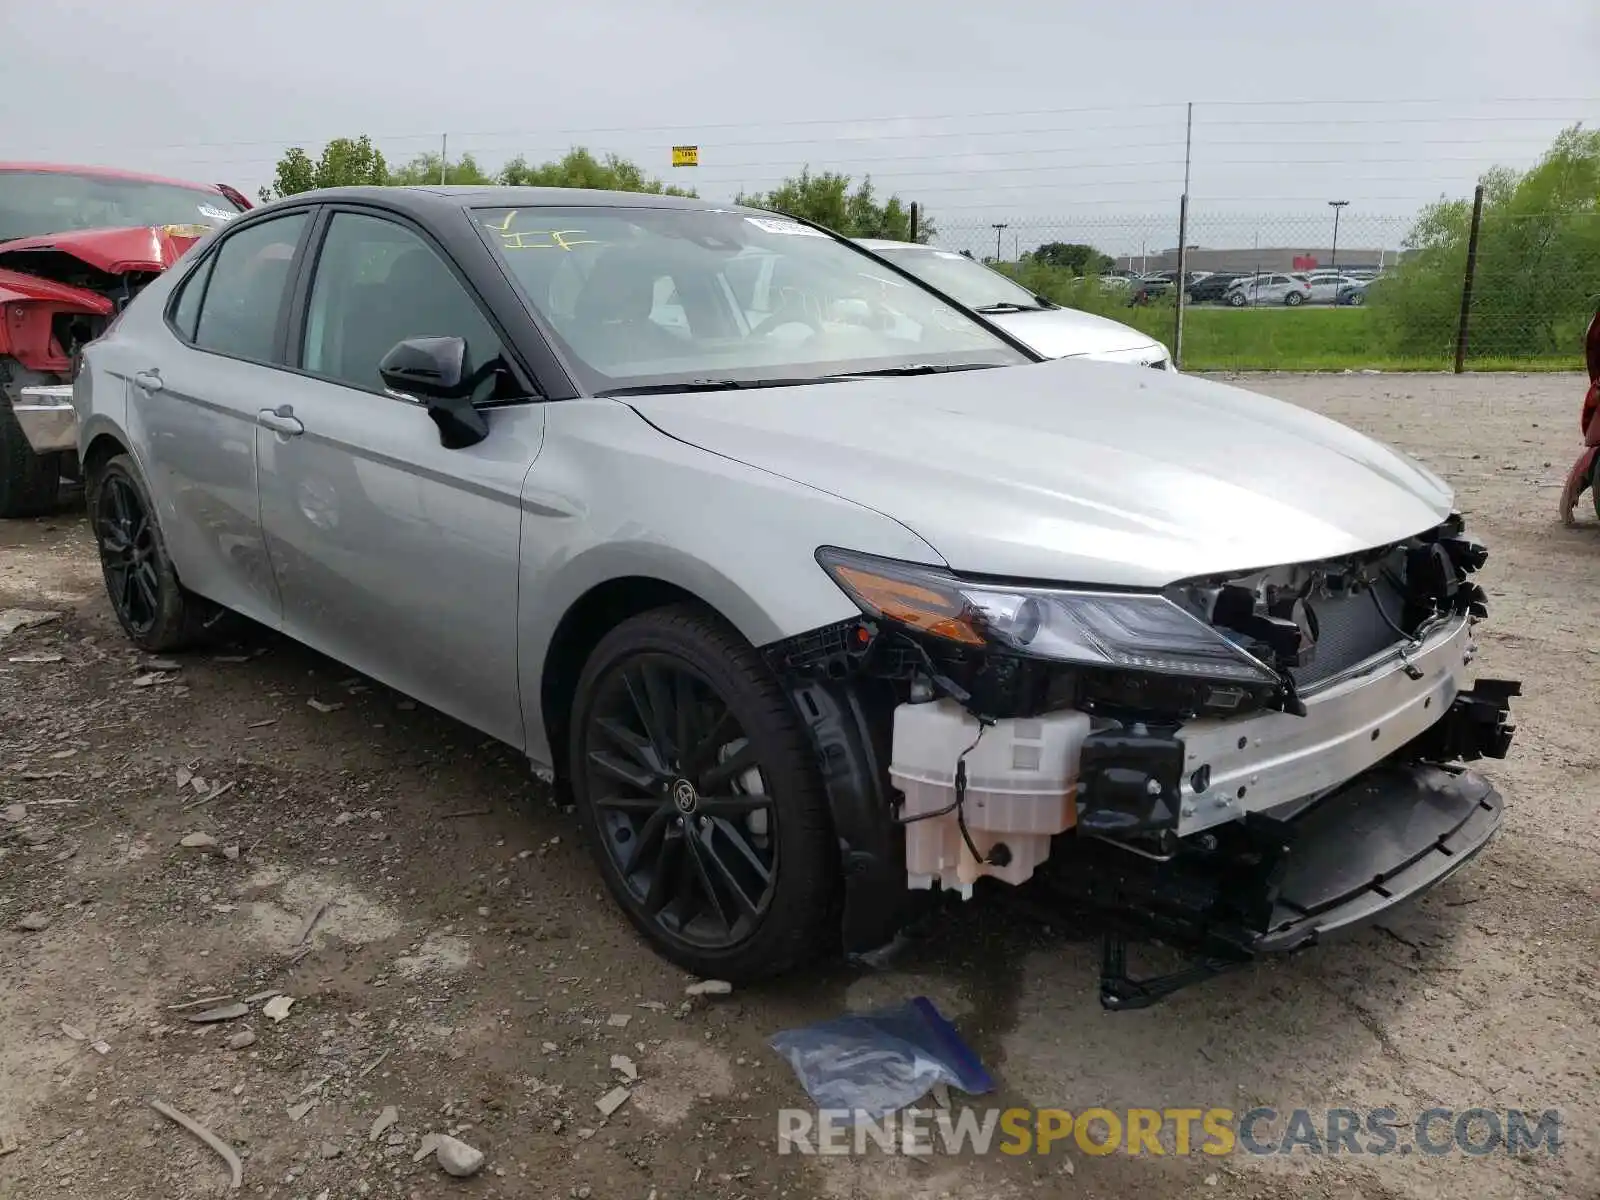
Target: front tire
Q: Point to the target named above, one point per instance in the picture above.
(700, 799)
(1236, 299)
(156, 612)
(30, 484)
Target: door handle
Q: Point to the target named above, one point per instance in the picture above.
(281, 420)
(148, 381)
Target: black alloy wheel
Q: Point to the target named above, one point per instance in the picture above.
(699, 799)
(127, 539)
(156, 612)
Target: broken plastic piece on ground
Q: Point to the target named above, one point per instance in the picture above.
(875, 1063)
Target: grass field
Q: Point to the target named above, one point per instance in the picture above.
(1306, 339)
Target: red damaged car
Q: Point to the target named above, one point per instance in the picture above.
(1585, 473)
(76, 244)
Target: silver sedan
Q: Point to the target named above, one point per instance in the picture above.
(818, 592)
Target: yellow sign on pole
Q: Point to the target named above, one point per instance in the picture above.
(686, 156)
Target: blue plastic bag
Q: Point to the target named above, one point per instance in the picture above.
(876, 1063)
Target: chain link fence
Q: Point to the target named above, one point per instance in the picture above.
(1289, 292)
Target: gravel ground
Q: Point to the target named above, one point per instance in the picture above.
(449, 951)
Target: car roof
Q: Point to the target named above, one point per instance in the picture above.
(423, 199)
(104, 173)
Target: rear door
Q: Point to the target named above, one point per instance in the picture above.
(392, 553)
(197, 386)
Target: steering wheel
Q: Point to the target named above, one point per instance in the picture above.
(793, 310)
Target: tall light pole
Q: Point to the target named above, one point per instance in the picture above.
(1336, 205)
(999, 225)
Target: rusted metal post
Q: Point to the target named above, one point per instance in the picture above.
(1466, 282)
(915, 213)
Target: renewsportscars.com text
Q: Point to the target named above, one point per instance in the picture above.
(1433, 1132)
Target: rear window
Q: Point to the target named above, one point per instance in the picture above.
(34, 203)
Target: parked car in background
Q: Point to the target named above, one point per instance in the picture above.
(1325, 289)
(1352, 292)
(1051, 329)
(1214, 286)
(814, 605)
(76, 244)
(1268, 289)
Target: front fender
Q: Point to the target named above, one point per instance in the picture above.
(610, 497)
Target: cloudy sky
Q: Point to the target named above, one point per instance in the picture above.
(1058, 117)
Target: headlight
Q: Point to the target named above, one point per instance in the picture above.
(1133, 631)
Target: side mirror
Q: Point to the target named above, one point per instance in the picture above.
(433, 370)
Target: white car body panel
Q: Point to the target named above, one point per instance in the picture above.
(1055, 332)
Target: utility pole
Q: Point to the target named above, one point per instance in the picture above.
(444, 154)
(1182, 282)
(1336, 205)
(999, 225)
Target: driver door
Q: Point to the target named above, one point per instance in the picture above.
(393, 554)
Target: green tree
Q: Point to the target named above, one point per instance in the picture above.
(826, 198)
(579, 168)
(424, 168)
(343, 162)
(1072, 256)
(1538, 260)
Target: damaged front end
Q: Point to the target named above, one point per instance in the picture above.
(1236, 765)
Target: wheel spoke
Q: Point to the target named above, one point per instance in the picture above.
(687, 897)
(683, 714)
(144, 576)
(630, 743)
(668, 871)
(717, 777)
(119, 503)
(751, 859)
(734, 806)
(699, 852)
(644, 707)
(724, 730)
(112, 538)
(650, 840)
(633, 775)
(629, 804)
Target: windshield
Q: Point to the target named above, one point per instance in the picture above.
(652, 297)
(34, 203)
(958, 276)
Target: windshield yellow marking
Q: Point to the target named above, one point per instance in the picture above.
(557, 239)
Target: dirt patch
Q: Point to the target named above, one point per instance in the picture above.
(466, 969)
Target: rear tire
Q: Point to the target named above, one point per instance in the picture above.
(680, 736)
(1293, 299)
(30, 484)
(156, 611)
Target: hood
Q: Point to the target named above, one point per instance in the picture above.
(1065, 332)
(1076, 471)
(114, 251)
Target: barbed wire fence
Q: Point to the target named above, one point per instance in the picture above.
(1260, 176)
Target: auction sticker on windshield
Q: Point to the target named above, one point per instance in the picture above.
(793, 228)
